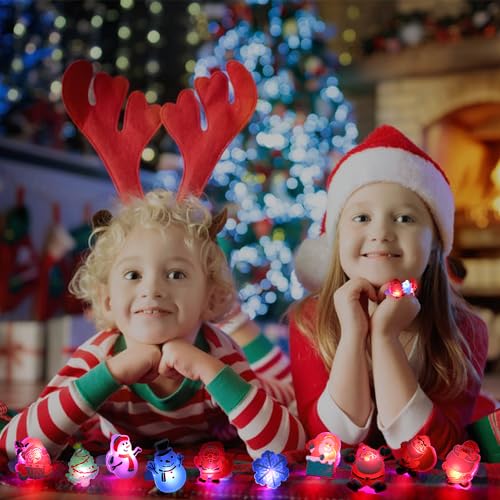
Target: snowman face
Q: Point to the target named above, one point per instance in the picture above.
(124, 447)
(167, 462)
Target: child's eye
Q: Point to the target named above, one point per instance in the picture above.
(132, 275)
(361, 218)
(405, 218)
(176, 275)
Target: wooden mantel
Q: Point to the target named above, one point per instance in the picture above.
(426, 60)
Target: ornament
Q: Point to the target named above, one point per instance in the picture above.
(166, 468)
(121, 459)
(212, 462)
(33, 460)
(262, 227)
(398, 288)
(81, 467)
(417, 455)
(314, 65)
(368, 469)
(4, 412)
(412, 33)
(290, 28)
(270, 469)
(324, 455)
(461, 463)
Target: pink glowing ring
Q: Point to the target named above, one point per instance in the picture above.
(398, 289)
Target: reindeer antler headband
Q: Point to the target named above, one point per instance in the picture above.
(120, 150)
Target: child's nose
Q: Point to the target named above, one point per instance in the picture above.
(382, 231)
(153, 287)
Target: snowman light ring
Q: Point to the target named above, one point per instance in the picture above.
(121, 458)
(166, 468)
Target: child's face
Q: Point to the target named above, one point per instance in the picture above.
(157, 289)
(385, 232)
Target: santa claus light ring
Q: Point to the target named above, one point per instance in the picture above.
(398, 289)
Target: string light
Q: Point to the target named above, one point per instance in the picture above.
(153, 37)
(124, 32)
(152, 67)
(60, 22)
(19, 29)
(127, 4)
(95, 52)
(345, 58)
(353, 12)
(155, 7)
(194, 9)
(96, 21)
(122, 62)
(349, 35)
(57, 54)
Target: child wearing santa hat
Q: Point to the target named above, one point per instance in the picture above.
(381, 368)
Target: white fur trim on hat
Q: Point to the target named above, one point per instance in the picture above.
(311, 262)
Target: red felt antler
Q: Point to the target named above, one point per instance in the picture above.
(120, 150)
(201, 149)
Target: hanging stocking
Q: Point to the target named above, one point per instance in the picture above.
(19, 261)
(74, 259)
(52, 280)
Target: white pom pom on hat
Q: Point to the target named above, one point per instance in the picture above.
(386, 155)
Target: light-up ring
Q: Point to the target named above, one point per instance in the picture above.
(398, 289)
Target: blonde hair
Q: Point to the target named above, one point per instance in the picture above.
(446, 356)
(158, 209)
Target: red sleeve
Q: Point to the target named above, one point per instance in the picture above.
(448, 420)
(309, 377)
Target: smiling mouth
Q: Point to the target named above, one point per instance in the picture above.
(167, 469)
(152, 311)
(380, 255)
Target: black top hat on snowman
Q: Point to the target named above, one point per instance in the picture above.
(163, 447)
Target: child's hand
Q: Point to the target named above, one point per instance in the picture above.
(392, 315)
(179, 355)
(138, 363)
(351, 304)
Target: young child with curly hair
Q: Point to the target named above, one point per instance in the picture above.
(157, 282)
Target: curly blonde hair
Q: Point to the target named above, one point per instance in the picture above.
(158, 209)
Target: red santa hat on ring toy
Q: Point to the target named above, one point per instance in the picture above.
(117, 439)
(386, 155)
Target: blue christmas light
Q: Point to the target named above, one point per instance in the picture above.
(270, 469)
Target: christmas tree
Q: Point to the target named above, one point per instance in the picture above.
(273, 174)
(81, 467)
(29, 66)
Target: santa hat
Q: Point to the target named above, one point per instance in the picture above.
(386, 155)
(120, 438)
